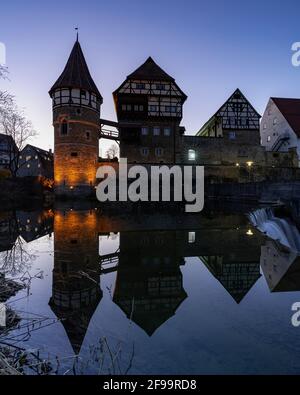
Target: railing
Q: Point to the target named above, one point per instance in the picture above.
(281, 138)
(109, 134)
(109, 262)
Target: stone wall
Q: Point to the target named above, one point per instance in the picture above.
(222, 151)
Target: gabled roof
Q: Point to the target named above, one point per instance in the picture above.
(76, 73)
(235, 93)
(290, 109)
(150, 71)
(39, 151)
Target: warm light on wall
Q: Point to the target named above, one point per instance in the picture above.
(237, 164)
(249, 164)
(249, 232)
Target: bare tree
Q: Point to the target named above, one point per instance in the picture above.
(15, 125)
(6, 99)
(112, 151)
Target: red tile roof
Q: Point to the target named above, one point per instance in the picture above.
(290, 109)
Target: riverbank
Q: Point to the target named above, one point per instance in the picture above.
(22, 192)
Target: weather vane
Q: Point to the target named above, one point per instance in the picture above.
(76, 28)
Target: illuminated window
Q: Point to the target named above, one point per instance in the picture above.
(192, 154)
(28, 157)
(268, 138)
(156, 131)
(192, 237)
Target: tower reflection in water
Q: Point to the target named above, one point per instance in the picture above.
(149, 283)
(76, 289)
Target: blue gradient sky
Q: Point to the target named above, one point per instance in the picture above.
(209, 47)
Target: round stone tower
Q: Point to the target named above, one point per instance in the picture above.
(76, 103)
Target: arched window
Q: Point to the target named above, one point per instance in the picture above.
(64, 128)
(192, 154)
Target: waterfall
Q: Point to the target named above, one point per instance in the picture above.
(282, 230)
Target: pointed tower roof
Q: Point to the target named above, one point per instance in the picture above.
(76, 73)
(150, 71)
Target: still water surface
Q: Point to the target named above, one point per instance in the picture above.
(154, 294)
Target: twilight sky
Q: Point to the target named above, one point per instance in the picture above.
(209, 47)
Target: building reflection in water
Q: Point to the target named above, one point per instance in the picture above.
(149, 286)
(149, 282)
(76, 289)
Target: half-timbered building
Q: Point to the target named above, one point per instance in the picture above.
(149, 107)
(236, 120)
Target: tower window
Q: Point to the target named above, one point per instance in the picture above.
(88, 135)
(64, 128)
(74, 154)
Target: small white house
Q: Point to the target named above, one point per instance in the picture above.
(280, 125)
